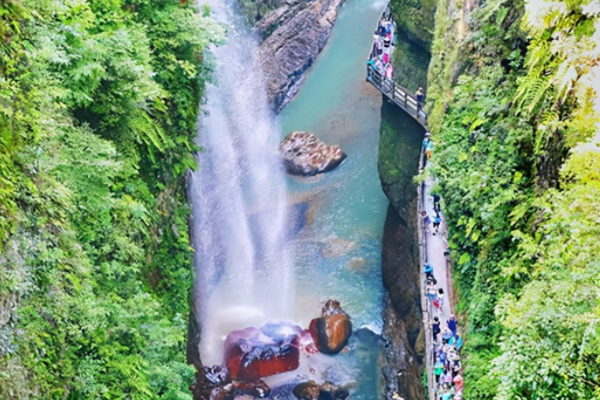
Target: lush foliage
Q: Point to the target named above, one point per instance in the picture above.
(522, 195)
(415, 18)
(99, 106)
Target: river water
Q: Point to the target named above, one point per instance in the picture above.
(338, 253)
(272, 246)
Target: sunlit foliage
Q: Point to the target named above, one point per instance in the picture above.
(522, 196)
(99, 101)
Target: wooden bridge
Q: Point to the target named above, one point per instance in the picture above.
(399, 95)
(402, 97)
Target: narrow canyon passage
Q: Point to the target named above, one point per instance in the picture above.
(270, 246)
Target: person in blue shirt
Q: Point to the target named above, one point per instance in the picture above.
(459, 342)
(437, 220)
(452, 324)
(429, 149)
(428, 269)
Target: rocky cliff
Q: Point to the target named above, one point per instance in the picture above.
(399, 151)
(292, 36)
(415, 19)
(402, 330)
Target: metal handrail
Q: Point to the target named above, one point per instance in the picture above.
(401, 96)
(380, 83)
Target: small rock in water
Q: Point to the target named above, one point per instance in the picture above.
(251, 353)
(255, 389)
(332, 331)
(304, 154)
(217, 375)
(356, 263)
(307, 390)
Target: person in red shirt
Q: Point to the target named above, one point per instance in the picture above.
(458, 384)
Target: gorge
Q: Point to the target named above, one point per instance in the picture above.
(142, 195)
(275, 247)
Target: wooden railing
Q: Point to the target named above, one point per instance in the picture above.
(397, 94)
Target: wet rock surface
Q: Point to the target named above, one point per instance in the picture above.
(332, 331)
(253, 353)
(402, 314)
(233, 390)
(304, 154)
(312, 391)
(293, 35)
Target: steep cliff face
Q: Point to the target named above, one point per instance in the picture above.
(450, 49)
(293, 35)
(399, 150)
(402, 330)
(415, 19)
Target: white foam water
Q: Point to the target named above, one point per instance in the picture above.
(244, 268)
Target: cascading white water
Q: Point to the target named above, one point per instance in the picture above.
(244, 271)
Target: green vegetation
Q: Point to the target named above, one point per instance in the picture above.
(256, 9)
(410, 66)
(400, 141)
(99, 100)
(522, 193)
(415, 18)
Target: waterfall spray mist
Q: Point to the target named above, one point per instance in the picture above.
(238, 195)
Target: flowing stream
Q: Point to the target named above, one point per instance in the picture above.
(270, 246)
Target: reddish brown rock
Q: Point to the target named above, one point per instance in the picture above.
(251, 353)
(332, 331)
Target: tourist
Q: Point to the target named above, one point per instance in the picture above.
(431, 280)
(419, 96)
(440, 299)
(452, 323)
(428, 270)
(459, 342)
(438, 369)
(436, 328)
(436, 202)
(446, 336)
(426, 220)
(426, 139)
(456, 366)
(437, 220)
(446, 378)
(431, 292)
(458, 383)
(379, 66)
(445, 393)
(443, 357)
(429, 149)
(387, 40)
(389, 72)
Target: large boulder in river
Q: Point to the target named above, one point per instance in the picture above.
(332, 331)
(293, 35)
(312, 391)
(304, 154)
(253, 353)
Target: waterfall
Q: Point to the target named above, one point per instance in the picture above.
(243, 263)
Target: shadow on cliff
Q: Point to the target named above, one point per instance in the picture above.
(399, 149)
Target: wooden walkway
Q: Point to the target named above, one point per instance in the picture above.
(402, 97)
(433, 248)
(399, 95)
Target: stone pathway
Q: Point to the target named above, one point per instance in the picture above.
(436, 248)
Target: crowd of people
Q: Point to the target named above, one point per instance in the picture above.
(447, 341)
(383, 48)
